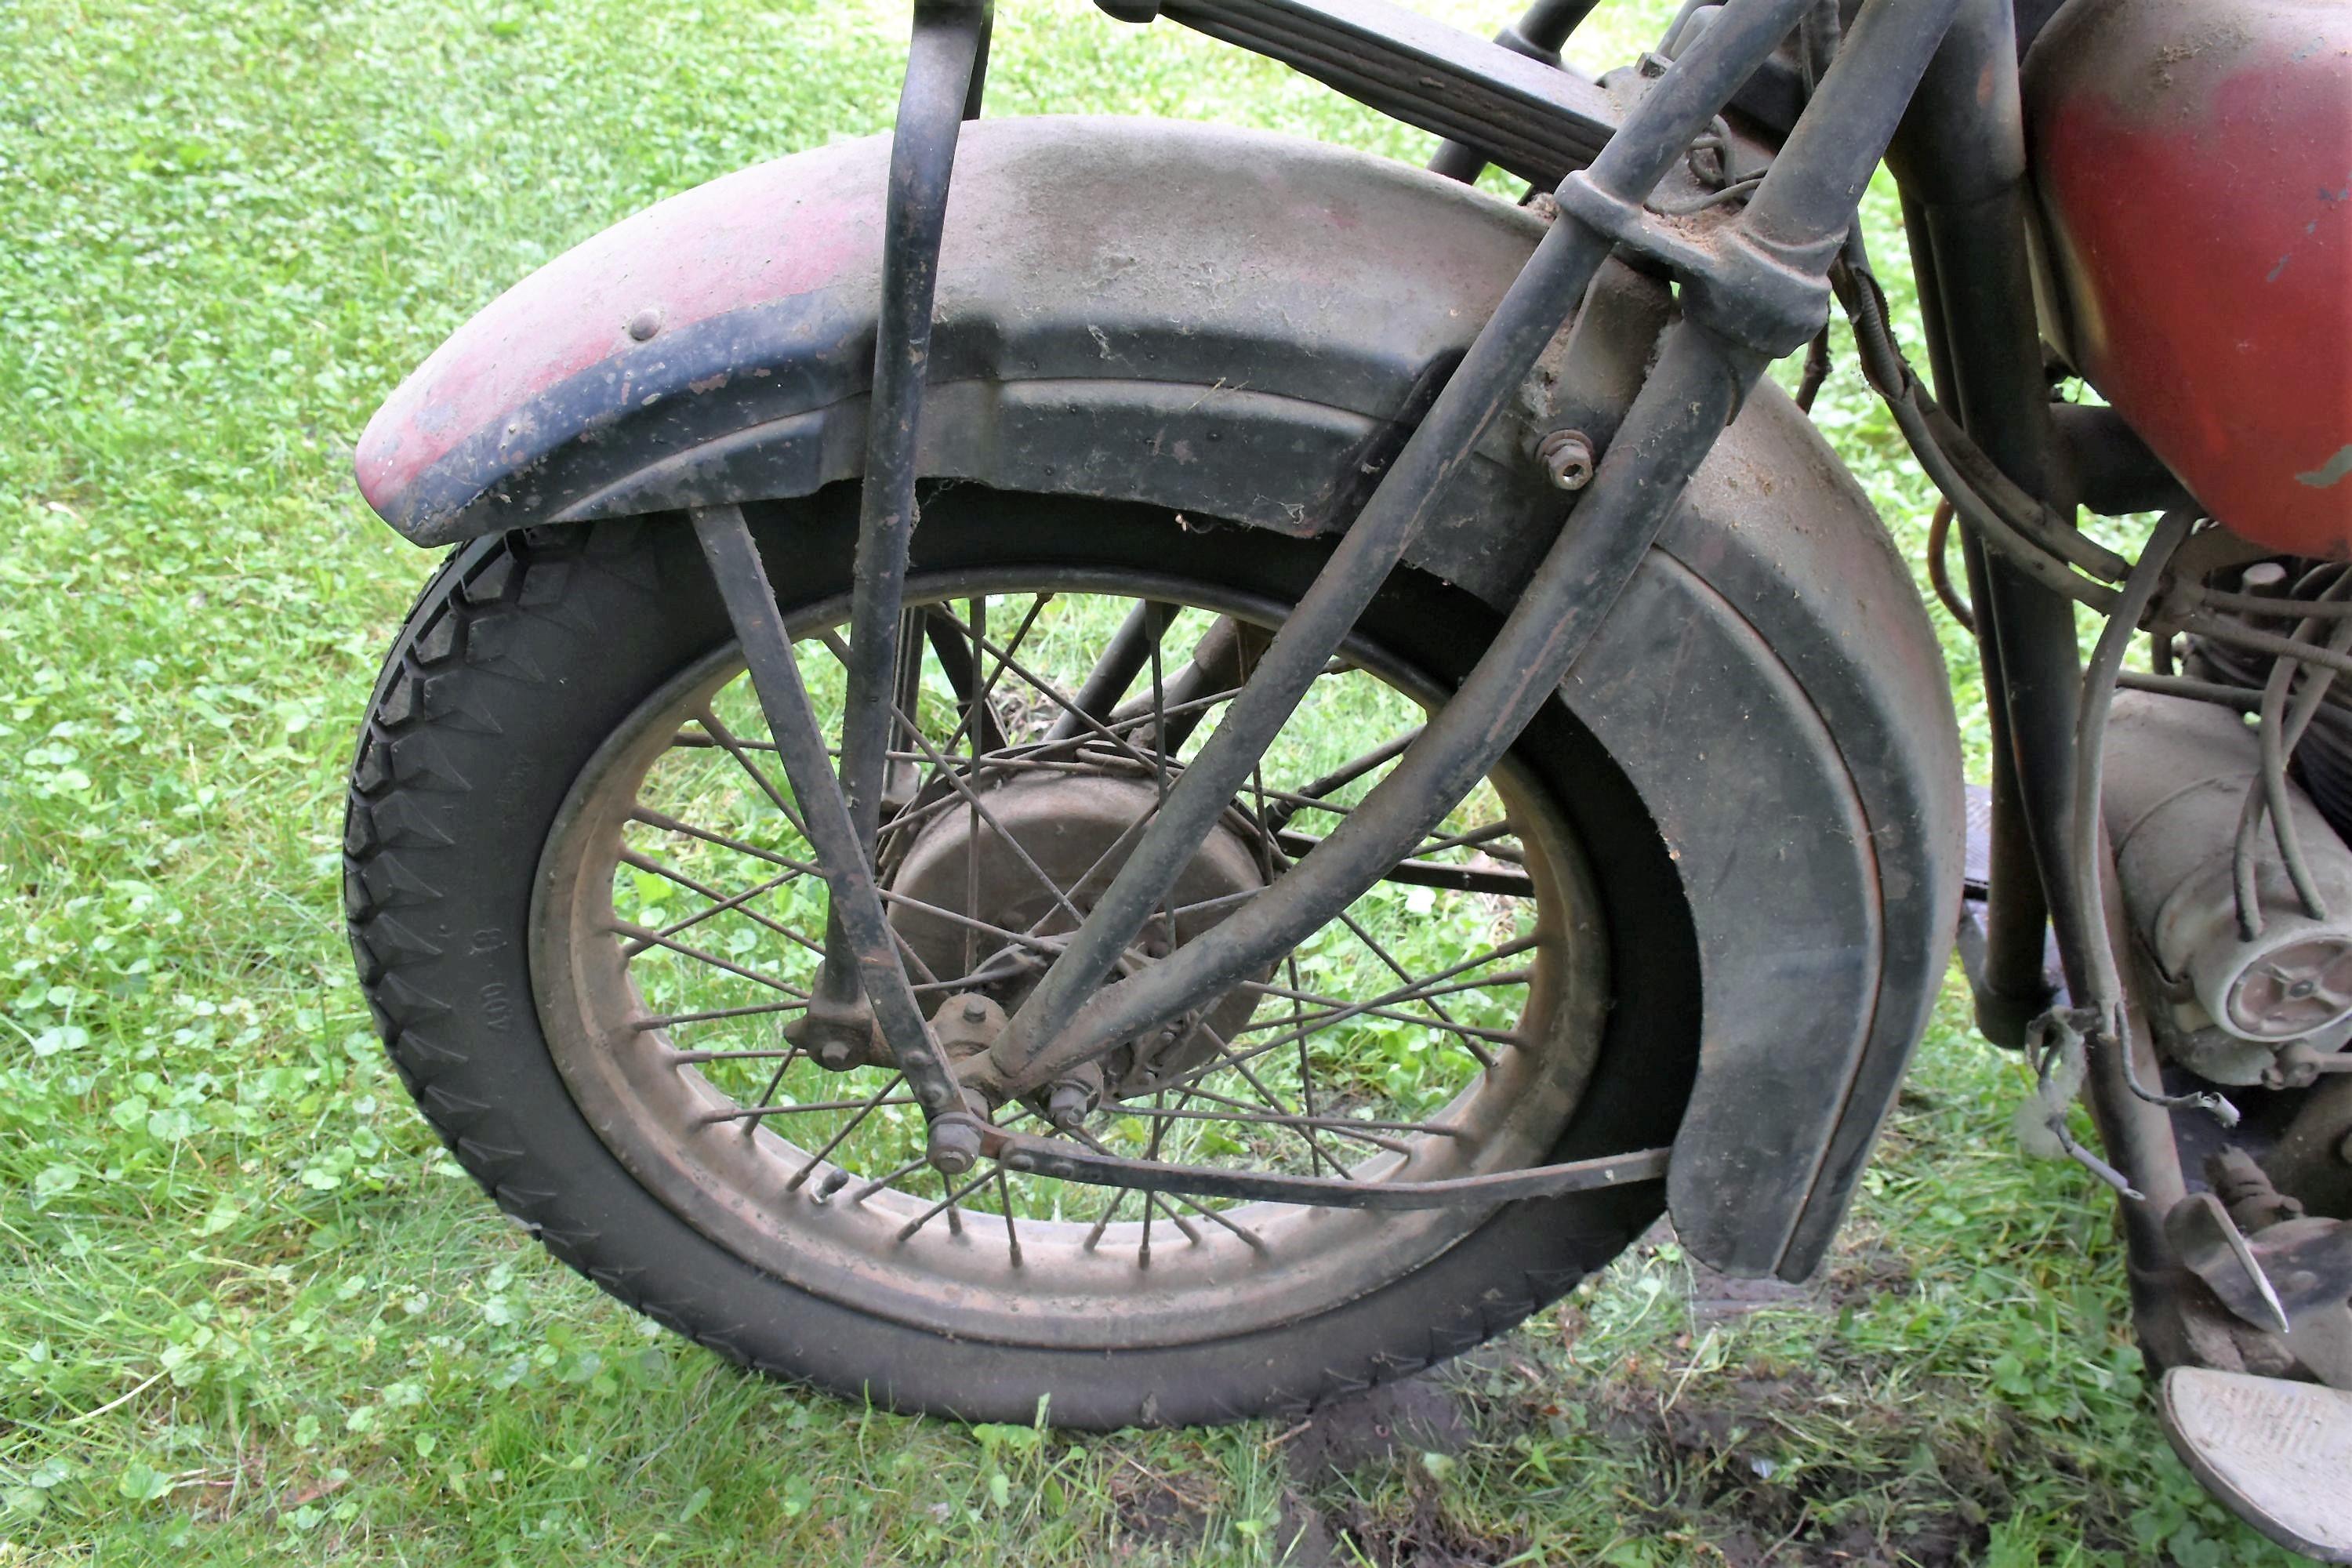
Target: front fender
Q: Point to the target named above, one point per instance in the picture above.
(1220, 321)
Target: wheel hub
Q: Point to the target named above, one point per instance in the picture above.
(1064, 829)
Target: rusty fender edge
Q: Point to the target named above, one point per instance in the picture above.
(1215, 321)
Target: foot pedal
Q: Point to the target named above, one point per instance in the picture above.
(2278, 1453)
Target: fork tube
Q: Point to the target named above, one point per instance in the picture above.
(1805, 207)
(942, 64)
(1540, 300)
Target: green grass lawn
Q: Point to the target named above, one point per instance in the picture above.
(248, 1309)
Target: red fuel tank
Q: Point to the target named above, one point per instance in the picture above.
(2193, 160)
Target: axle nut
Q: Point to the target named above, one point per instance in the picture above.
(1566, 458)
(1069, 1104)
(955, 1145)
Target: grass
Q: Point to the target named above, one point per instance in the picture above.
(249, 1311)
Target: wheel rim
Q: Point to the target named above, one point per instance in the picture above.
(1430, 1032)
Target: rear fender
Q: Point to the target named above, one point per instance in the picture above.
(1223, 323)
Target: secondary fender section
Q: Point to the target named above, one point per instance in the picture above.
(1221, 323)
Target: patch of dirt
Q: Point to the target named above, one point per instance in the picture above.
(1427, 1538)
(1714, 1298)
(1855, 1278)
(1413, 1416)
(1167, 1513)
(1719, 1446)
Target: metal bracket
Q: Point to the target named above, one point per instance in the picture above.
(1070, 1162)
(1532, 119)
(1738, 282)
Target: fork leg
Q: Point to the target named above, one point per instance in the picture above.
(943, 76)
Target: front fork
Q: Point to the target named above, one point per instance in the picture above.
(1754, 288)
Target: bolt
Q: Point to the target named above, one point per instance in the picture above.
(646, 324)
(836, 1054)
(2343, 1150)
(1067, 1106)
(955, 1145)
(975, 1008)
(1567, 457)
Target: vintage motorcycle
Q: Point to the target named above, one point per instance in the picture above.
(1161, 772)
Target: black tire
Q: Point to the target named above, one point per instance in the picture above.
(526, 651)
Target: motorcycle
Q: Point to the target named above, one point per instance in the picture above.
(1152, 772)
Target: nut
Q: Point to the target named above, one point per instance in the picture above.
(1069, 1104)
(955, 1143)
(1567, 457)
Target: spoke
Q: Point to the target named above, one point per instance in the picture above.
(1119, 1199)
(947, 1205)
(1467, 1031)
(648, 863)
(1191, 1235)
(1348, 772)
(846, 1129)
(1509, 977)
(725, 738)
(1217, 660)
(1508, 950)
(984, 814)
(1150, 1204)
(1326, 1123)
(655, 938)
(1052, 694)
(670, 824)
(1026, 940)
(750, 1054)
(1345, 1128)
(946, 770)
(1484, 1058)
(1306, 1062)
(670, 1020)
(761, 1112)
(1226, 1056)
(1115, 668)
(1004, 1201)
(1038, 602)
(920, 1162)
(1469, 838)
(1250, 1237)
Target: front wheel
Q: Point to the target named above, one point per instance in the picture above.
(588, 921)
